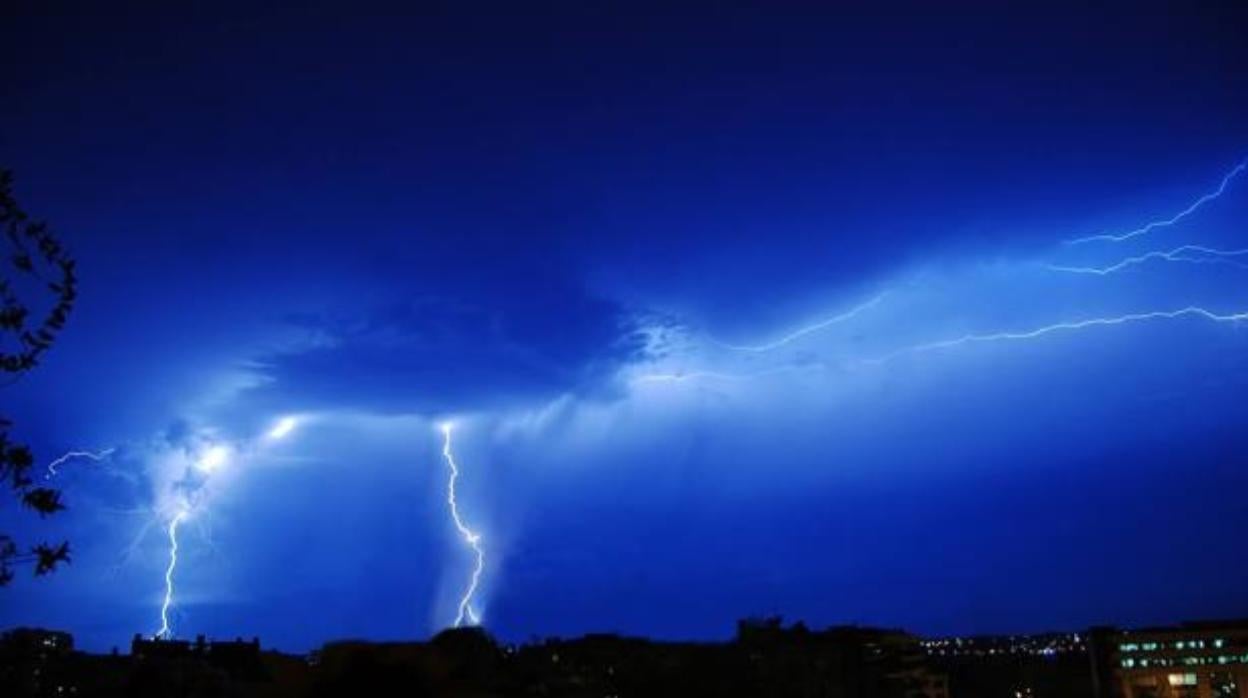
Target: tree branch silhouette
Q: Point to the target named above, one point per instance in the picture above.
(37, 265)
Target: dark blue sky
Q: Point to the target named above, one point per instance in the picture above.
(586, 234)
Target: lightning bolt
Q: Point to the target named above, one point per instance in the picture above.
(1190, 311)
(470, 537)
(1165, 222)
(165, 631)
(97, 457)
(209, 460)
(1178, 254)
(803, 331)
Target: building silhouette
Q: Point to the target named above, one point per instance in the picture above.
(764, 658)
(1190, 660)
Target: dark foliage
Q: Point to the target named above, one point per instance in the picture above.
(36, 260)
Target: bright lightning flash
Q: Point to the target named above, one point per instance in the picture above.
(209, 461)
(282, 429)
(166, 631)
(97, 457)
(213, 459)
(472, 538)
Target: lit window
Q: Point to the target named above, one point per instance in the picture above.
(1181, 679)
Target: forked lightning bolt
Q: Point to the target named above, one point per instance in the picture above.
(1190, 311)
(472, 538)
(97, 457)
(1165, 222)
(166, 631)
(1190, 254)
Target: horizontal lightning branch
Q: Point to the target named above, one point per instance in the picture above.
(1165, 222)
(90, 455)
(803, 331)
(1190, 254)
(1190, 311)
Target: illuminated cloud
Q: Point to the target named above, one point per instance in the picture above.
(436, 356)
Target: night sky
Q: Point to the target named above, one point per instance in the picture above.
(734, 310)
